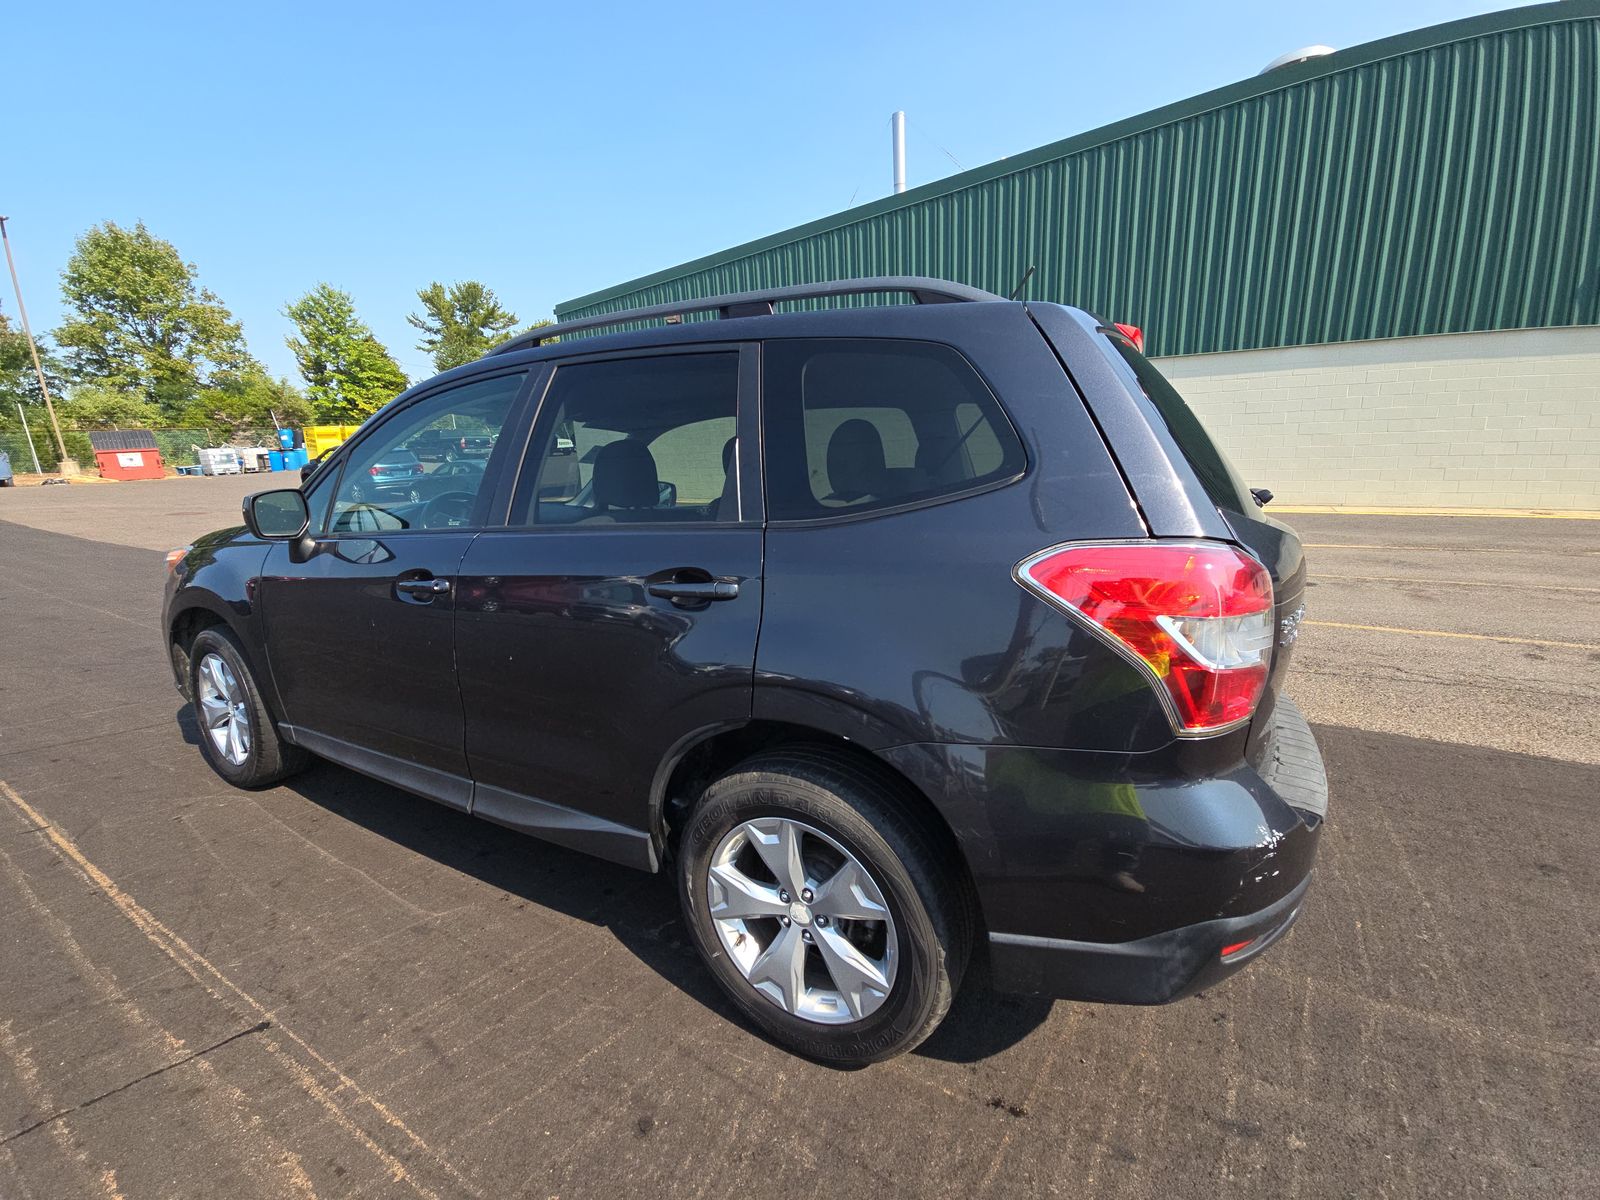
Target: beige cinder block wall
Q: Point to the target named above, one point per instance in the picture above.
(1508, 419)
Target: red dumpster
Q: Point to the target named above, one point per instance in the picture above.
(126, 453)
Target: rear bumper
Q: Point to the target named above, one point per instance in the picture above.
(1151, 970)
(1120, 878)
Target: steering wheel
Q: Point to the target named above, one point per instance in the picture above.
(448, 510)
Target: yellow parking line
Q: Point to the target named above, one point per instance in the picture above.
(1351, 510)
(219, 986)
(1441, 549)
(1521, 587)
(1445, 633)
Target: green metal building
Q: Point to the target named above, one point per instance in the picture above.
(1442, 181)
(1331, 259)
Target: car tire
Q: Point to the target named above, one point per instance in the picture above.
(836, 810)
(228, 704)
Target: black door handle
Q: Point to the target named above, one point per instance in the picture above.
(423, 587)
(709, 589)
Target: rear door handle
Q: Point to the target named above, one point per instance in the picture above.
(710, 589)
(423, 587)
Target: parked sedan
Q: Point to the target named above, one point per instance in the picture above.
(397, 473)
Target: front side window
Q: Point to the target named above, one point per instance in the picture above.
(424, 467)
(854, 425)
(636, 441)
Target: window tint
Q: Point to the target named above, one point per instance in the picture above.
(1216, 473)
(855, 425)
(636, 440)
(423, 468)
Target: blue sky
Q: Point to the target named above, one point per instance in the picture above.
(551, 150)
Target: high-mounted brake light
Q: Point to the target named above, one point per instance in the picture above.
(1195, 617)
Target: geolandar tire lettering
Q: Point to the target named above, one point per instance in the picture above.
(823, 906)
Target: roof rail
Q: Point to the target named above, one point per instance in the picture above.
(758, 304)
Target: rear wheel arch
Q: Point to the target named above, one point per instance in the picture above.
(703, 757)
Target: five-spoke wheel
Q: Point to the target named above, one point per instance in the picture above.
(825, 903)
(222, 708)
(803, 920)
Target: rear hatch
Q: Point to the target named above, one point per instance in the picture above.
(1214, 487)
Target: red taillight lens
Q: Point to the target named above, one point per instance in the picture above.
(374, 471)
(1133, 333)
(1196, 616)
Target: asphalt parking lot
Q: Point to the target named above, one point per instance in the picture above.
(332, 988)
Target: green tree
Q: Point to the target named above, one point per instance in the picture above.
(461, 322)
(138, 321)
(248, 402)
(95, 406)
(349, 374)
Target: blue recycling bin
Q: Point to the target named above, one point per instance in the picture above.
(293, 460)
(275, 460)
(285, 440)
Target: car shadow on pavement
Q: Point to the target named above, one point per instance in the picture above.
(640, 910)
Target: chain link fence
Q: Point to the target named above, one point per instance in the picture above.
(177, 446)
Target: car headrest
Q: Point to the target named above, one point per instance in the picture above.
(625, 476)
(856, 465)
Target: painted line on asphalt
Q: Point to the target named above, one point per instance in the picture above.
(1521, 587)
(1440, 549)
(1445, 633)
(1515, 514)
(204, 972)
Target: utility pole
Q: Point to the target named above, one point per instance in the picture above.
(68, 467)
(897, 125)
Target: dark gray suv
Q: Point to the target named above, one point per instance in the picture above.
(899, 634)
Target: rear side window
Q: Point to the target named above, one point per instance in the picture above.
(854, 425)
(642, 440)
(1216, 473)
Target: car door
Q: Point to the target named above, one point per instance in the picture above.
(615, 615)
(360, 637)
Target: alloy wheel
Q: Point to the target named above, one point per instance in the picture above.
(222, 709)
(802, 920)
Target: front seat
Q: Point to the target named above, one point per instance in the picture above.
(856, 467)
(625, 483)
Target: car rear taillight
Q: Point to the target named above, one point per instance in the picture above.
(1133, 333)
(374, 471)
(1195, 617)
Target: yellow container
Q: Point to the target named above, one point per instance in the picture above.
(320, 438)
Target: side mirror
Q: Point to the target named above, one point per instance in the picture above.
(282, 516)
(277, 516)
(1262, 496)
(668, 494)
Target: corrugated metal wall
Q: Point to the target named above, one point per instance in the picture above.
(1444, 181)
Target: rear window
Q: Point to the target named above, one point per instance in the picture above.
(855, 425)
(1221, 482)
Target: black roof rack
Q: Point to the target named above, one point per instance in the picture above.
(759, 304)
